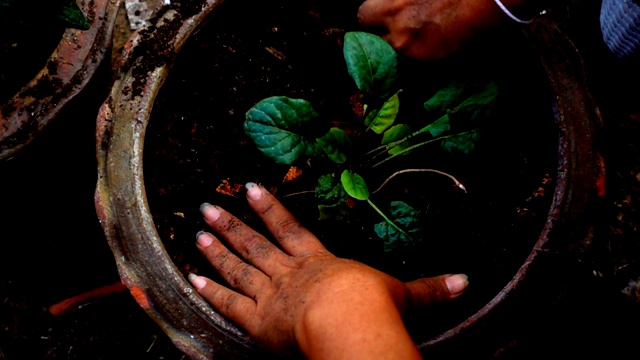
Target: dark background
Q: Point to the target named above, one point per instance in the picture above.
(52, 246)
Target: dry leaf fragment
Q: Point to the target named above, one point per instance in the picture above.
(227, 189)
(278, 54)
(292, 174)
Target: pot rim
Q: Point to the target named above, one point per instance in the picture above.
(66, 72)
(143, 263)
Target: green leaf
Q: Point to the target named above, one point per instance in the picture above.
(372, 63)
(477, 106)
(331, 198)
(354, 185)
(406, 218)
(463, 143)
(439, 126)
(272, 124)
(447, 98)
(395, 133)
(72, 16)
(335, 144)
(386, 116)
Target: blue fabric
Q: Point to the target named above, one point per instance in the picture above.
(620, 25)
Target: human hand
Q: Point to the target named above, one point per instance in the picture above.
(432, 29)
(302, 298)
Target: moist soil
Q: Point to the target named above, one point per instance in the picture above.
(25, 44)
(195, 143)
(53, 247)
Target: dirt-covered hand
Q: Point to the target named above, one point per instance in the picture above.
(431, 29)
(298, 297)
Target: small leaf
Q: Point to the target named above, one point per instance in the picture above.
(439, 126)
(447, 98)
(354, 185)
(335, 144)
(372, 63)
(405, 217)
(478, 106)
(272, 123)
(72, 16)
(463, 143)
(331, 197)
(396, 133)
(386, 116)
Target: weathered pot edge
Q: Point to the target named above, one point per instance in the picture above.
(67, 72)
(579, 166)
(122, 206)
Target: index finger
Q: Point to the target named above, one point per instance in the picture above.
(294, 238)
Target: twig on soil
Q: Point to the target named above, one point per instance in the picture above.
(298, 193)
(456, 182)
(155, 337)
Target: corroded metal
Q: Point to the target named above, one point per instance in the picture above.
(67, 71)
(143, 263)
(157, 284)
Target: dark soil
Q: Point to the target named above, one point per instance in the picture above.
(52, 246)
(25, 44)
(195, 141)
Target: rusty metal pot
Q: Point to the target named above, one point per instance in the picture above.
(65, 74)
(162, 290)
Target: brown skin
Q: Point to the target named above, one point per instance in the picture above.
(304, 300)
(435, 29)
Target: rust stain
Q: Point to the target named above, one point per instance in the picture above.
(140, 296)
(77, 300)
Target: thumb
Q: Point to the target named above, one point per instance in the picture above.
(373, 13)
(441, 288)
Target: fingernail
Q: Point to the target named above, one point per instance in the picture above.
(203, 241)
(209, 211)
(253, 191)
(197, 281)
(457, 283)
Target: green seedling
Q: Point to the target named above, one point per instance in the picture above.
(279, 127)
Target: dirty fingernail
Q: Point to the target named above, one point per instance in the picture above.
(253, 191)
(457, 283)
(197, 281)
(203, 239)
(209, 211)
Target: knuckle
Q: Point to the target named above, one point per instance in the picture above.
(289, 226)
(219, 257)
(229, 226)
(235, 270)
(256, 246)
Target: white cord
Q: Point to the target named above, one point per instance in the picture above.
(509, 14)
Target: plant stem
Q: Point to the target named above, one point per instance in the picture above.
(456, 182)
(417, 146)
(393, 144)
(298, 193)
(389, 221)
